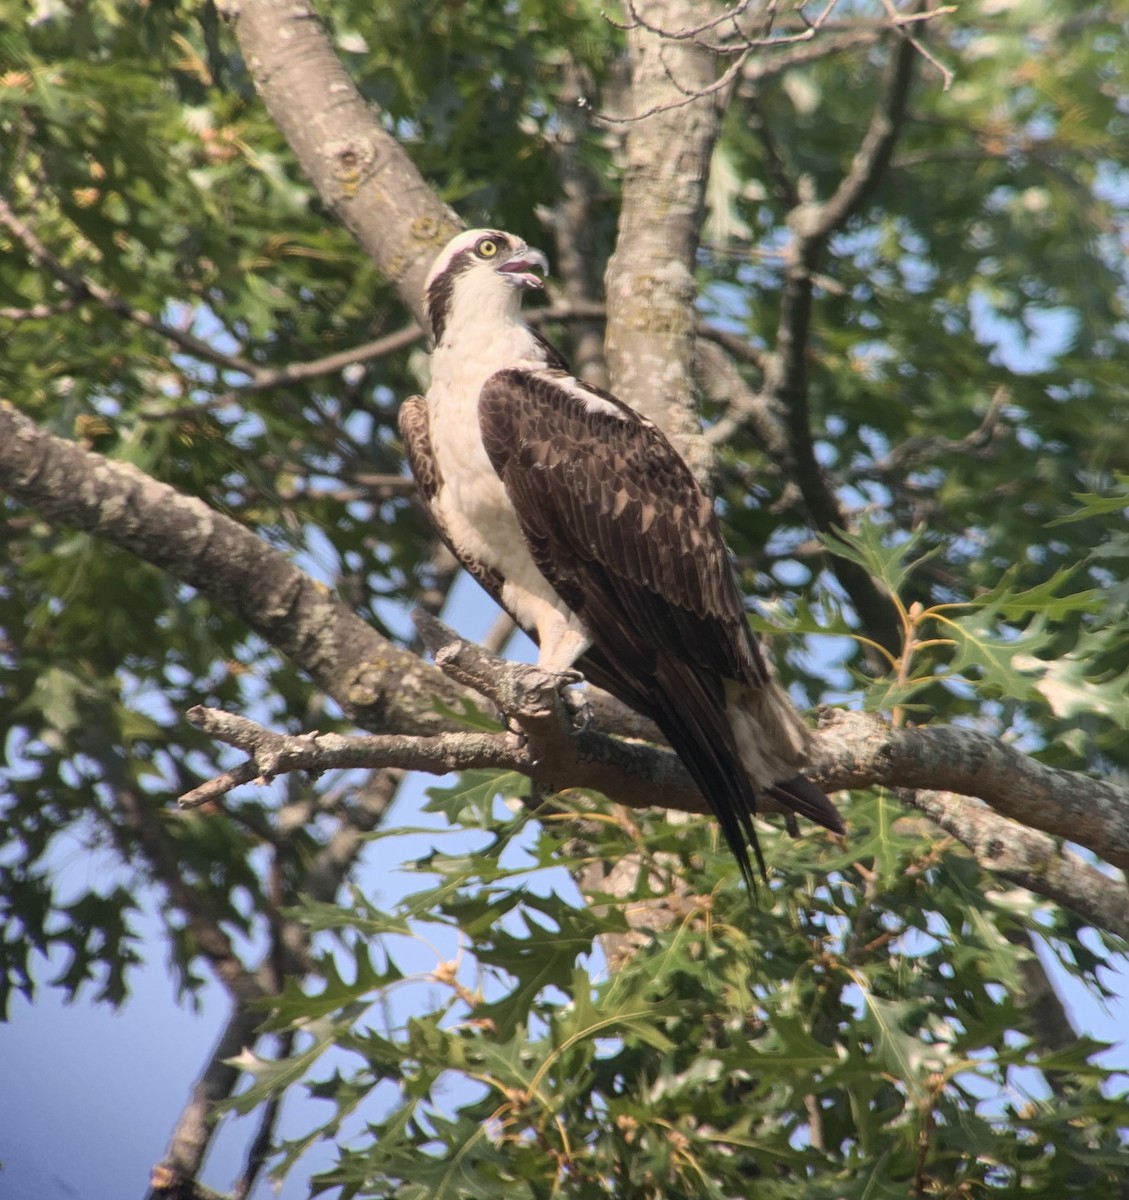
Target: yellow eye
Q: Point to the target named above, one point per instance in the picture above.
(486, 248)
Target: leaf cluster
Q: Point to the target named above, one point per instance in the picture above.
(857, 1032)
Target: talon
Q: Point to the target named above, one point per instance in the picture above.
(579, 710)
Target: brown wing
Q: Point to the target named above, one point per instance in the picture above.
(415, 429)
(617, 524)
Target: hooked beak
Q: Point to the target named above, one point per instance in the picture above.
(519, 270)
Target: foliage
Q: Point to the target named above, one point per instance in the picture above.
(856, 1033)
(860, 1030)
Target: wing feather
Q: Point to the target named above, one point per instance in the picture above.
(603, 494)
(617, 524)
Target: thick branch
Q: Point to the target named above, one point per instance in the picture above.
(359, 169)
(857, 750)
(1034, 861)
(387, 688)
(851, 750)
(650, 280)
(378, 684)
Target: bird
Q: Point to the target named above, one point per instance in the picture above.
(582, 520)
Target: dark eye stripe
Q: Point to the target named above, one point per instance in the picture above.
(438, 297)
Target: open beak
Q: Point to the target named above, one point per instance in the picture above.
(519, 270)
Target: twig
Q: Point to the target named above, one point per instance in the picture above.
(219, 786)
(273, 754)
(903, 23)
(38, 312)
(263, 380)
(920, 449)
(759, 68)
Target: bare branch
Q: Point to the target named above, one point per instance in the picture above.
(781, 51)
(760, 68)
(814, 223)
(721, 381)
(274, 754)
(904, 25)
(916, 450)
(263, 380)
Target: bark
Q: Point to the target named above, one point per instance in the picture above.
(651, 291)
(194, 1129)
(359, 169)
(378, 684)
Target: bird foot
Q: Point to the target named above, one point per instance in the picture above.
(578, 709)
(577, 706)
(545, 682)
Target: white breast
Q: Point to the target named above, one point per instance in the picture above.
(472, 503)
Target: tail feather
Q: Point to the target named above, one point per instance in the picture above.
(696, 716)
(803, 797)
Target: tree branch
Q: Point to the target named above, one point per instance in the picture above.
(387, 688)
(195, 1127)
(785, 383)
(378, 684)
(1034, 861)
(208, 934)
(858, 750)
(650, 279)
(1029, 800)
(82, 286)
(359, 169)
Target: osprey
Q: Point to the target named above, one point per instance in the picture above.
(581, 519)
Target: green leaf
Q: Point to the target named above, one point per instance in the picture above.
(1043, 598)
(884, 552)
(1001, 660)
(470, 802)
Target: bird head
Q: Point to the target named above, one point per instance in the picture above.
(479, 272)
